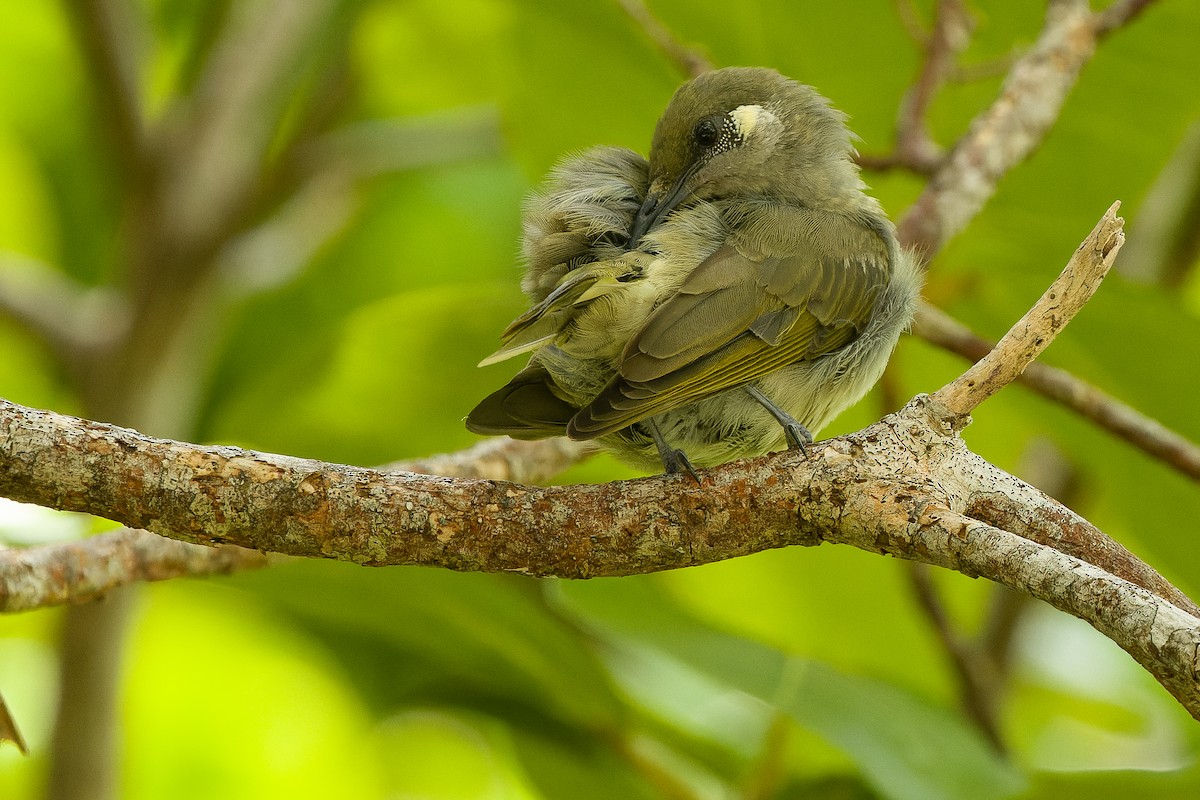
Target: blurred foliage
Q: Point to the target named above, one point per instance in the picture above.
(352, 308)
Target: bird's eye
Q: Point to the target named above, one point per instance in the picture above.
(705, 133)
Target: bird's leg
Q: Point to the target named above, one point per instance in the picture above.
(674, 460)
(797, 435)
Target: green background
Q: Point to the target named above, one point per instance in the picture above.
(348, 330)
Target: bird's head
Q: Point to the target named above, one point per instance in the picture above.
(746, 132)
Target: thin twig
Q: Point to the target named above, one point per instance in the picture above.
(1090, 402)
(1034, 332)
(1118, 15)
(689, 61)
(915, 149)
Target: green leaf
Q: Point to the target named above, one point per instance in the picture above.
(420, 636)
(906, 748)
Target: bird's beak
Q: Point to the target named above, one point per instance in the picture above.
(658, 204)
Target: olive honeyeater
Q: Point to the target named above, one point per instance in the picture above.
(727, 297)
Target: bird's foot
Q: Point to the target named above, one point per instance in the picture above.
(797, 436)
(674, 460)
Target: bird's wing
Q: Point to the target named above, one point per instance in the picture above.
(744, 312)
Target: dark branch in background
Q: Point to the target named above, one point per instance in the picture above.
(1119, 14)
(1007, 132)
(915, 150)
(1118, 418)
(982, 662)
(977, 679)
(689, 61)
(111, 34)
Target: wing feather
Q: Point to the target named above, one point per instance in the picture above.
(742, 314)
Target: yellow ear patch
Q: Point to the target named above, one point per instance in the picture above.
(747, 118)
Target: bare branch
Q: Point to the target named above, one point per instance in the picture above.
(1007, 132)
(1119, 14)
(111, 34)
(1118, 418)
(1034, 332)
(689, 61)
(76, 572)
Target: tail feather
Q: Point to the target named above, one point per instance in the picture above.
(524, 408)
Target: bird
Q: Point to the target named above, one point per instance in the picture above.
(726, 297)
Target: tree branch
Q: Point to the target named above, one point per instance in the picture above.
(111, 36)
(689, 61)
(1007, 132)
(76, 572)
(906, 486)
(1026, 340)
(1149, 435)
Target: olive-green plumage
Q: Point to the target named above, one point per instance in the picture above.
(738, 279)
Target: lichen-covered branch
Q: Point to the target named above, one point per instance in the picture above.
(894, 488)
(75, 572)
(906, 486)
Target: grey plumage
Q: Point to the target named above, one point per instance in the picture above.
(744, 252)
